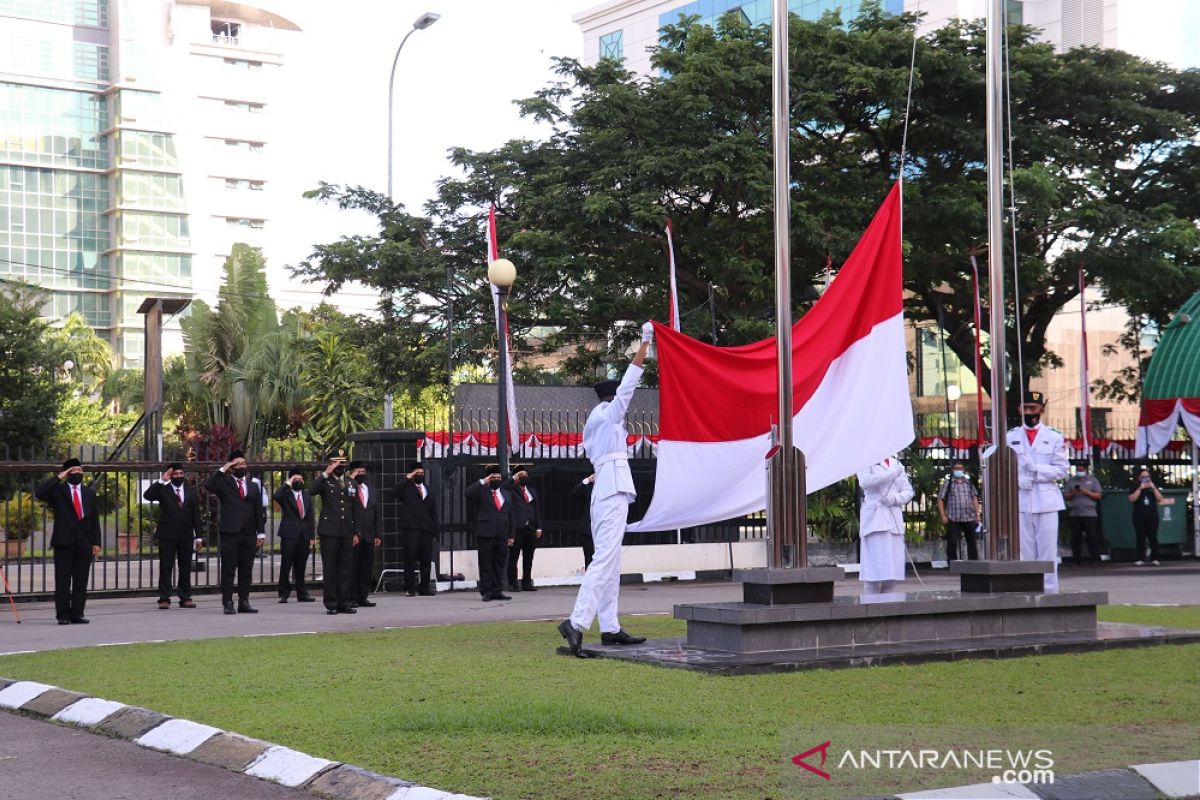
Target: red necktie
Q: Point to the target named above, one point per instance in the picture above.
(241, 488)
(300, 506)
(496, 499)
(362, 495)
(525, 492)
(77, 501)
(179, 494)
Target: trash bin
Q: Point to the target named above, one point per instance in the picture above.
(1116, 515)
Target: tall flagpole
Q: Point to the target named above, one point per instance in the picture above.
(1001, 473)
(785, 501)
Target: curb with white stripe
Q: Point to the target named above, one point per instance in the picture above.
(181, 737)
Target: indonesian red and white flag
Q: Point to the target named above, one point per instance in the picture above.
(851, 397)
(514, 439)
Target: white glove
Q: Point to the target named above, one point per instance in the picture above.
(893, 499)
(1025, 484)
(647, 332)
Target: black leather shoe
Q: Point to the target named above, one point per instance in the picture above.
(498, 596)
(516, 587)
(229, 609)
(427, 593)
(245, 608)
(79, 620)
(620, 637)
(366, 604)
(574, 638)
(64, 622)
(527, 586)
(487, 599)
(304, 598)
(331, 611)
(283, 599)
(410, 593)
(347, 610)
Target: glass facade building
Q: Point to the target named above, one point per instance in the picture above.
(758, 12)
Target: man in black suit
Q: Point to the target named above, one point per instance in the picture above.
(491, 509)
(178, 533)
(296, 532)
(368, 525)
(338, 539)
(583, 491)
(527, 524)
(241, 529)
(419, 528)
(76, 538)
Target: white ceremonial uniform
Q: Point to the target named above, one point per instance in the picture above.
(1040, 465)
(886, 489)
(606, 442)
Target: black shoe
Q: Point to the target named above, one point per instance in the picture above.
(229, 609)
(347, 610)
(283, 599)
(331, 611)
(410, 593)
(366, 604)
(64, 622)
(487, 598)
(527, 586)
(427, 593)
(620, 637)
(244, 607)
(304, 598)
(574, 638)
(79, 620)
(499, 596)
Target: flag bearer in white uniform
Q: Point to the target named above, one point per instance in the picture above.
(1041, 463)
(605, 440)
(881, 525)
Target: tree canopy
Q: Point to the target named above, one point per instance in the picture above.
(1106, 172)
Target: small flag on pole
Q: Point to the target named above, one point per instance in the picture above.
(1085, 406)
(673, 296)
(514, 441)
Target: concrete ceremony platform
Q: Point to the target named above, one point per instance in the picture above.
(743, 638)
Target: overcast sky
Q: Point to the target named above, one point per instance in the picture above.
(455, 84)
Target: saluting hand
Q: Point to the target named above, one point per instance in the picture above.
(166, 476)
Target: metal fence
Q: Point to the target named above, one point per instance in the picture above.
(456, 452)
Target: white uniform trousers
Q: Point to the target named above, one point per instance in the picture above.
(602, 582)
(1039, 542)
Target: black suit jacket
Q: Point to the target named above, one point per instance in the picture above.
(368, 522)
(416, 513)
(68, 528)
(584, 491)
(489, 521)
(290, 525)
(238, 514)
(175, 522)
(527, 515)
(337, 515)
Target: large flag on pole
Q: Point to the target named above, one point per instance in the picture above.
(851, 397)
(673, 299)
(1085, 405)
(514, 439)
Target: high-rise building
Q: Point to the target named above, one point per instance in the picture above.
(134, 138)
(629, 29)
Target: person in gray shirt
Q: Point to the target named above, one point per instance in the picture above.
(1083, 495)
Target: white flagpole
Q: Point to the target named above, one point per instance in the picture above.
(673, 311)
(514, 440)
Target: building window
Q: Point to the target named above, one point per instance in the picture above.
(243, 63)
(225, 32)
(612, 45)
(245, 222)
(253, 108)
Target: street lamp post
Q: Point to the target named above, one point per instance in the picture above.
(502, 274)
(422, 22)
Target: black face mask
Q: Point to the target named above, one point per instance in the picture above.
(297, 485)
(418, 479)
(240, 472)
(1031, 420)
(494, 483)
(75, 478)
(177, 481)
(360, 478)
(338, 471)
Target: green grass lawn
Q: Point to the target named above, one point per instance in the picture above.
(489, 710)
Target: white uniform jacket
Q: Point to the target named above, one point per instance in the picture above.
(885, 491)
(1040, 466)
(606, 441)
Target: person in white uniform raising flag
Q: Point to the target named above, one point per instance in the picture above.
(1041, 464)
(605, 440)
(886, 489)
